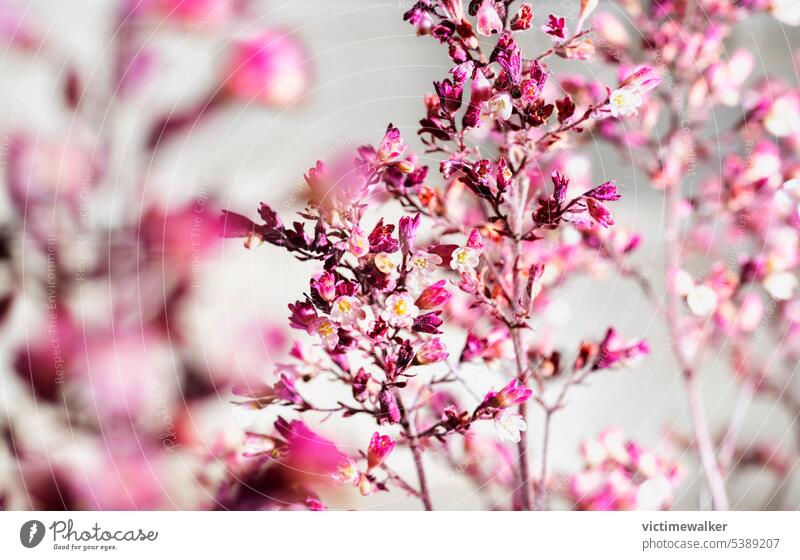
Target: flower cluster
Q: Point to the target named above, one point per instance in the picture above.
(510, 213)
(108, 368)
(620, 474)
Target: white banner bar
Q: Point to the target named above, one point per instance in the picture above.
(400, 535)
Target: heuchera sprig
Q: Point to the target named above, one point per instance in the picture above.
(477, 258)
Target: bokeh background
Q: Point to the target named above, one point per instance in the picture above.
(364, 68)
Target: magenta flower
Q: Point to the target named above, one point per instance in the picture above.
(407, 232)
(523, 18)
(555, 27)
(606, 192)
(271, 68)
(511, 395)
(380, 447)
(433, 296)
(391, 147)
(433, 351)
(614, 353)
(325, 286)
(390, 412)
(599, 212)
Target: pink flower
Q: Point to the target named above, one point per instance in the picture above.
(326, 330)
(390, 412)
(555, 27)
(380, 447)
(325, 286)
(475, 241)
(453, 9)
(420, 17)
(599, 212)
(271, 68)
(642, 80)
(489, 21)
(511, 395)
(358, 243)
(408, 231)
(523, 18)
(433, 296)
(606, 192)
(391, 147)
(196, 12)
(285, 390)
(433, 351)
(613, 352)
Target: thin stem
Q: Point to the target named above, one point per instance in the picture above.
(516, 338)
(416, 452)
(522, 447)
(705, 446)
(541, 494)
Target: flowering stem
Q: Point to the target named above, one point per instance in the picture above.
(519, 353)
(522, 446)
(705, 446)
(413, 443)
(541, 495)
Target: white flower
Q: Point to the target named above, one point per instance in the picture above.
(499, 106)
(423, 266)
(702, 300)
(509, 426)
(654, 494)
(385, 263)
(781, 285)
(347, 310)
(786, 11)
(593, 452)
(425, 263)
(346, 473)
(625, 102)
(400, 310)
(464, 259)
(682, 282)
(327, 331)
(783, 118)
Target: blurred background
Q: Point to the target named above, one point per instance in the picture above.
(127, 125)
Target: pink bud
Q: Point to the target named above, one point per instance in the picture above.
(326, 286)
(380, 447)
(489, 21)
(475, 241)
(431, 352)
(433, 296)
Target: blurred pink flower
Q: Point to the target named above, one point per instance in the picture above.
(270, 68)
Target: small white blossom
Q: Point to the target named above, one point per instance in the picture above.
(499, 106)
(509, 426)
(781, 285)
(385, 263)
(464, 259)
(347, 310)
(327, 331)
(702, 300)
(400, 310)
(625, 102)
(425, 263)
(786, 11)
(783, 118)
